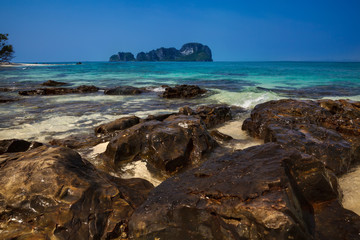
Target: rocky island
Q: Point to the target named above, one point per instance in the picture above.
(189, 52)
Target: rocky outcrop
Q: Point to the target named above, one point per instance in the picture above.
(327, 129)
(189, 52)
(124, 90)
(60, 91)
(17, 145)
(183, 91)
(263, 192)
(122, 57)
(118, 124)
(51, 193)
(52, 83)
(168, 145)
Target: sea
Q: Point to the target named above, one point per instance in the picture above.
(242, 84)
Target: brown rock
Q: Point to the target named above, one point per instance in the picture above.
(263, 192)
(60, 91)
(52, 83)
(17, 145)
(182, 91)
(172, 144)
(51, 193)
(119, 124)
(327, 129)
(124, 90)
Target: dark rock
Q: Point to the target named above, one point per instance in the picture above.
(259, 193)
(78, 63)
(159, 117)
(118, 124)
(213, 115)
(220, 136)
(183, 91)
(122, 57)
(63, 196)
(170, 145)
(5, 89)
(327, 129)
(7, 100)
(52, 83)
(124, 90)
(17, 145)
(77, 141)
(60, 91)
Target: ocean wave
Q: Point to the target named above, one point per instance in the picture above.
(245, 99)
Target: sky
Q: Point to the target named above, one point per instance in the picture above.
(235, 30)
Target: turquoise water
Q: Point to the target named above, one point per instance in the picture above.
(242, 84)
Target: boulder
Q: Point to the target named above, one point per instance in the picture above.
(78, 141)
(183, 91)
(220, 136)
(51, 193)
(52, 83)
(60, 91)
(169, 145)
(124, 90)
(118, 124)
(17, 145)
(327, 129)
(262, 192)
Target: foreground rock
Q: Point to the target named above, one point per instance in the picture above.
(327, 129)
(60, 91)
(51, 193)
(52, 83)
(17, 145)
(182, 91)
(263, 192)
(118, 124)
(169, 145)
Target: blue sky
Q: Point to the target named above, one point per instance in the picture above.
(263, 30)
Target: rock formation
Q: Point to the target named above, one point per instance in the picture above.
(122, 57)
(190, 52)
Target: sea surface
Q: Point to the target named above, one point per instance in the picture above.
(243, 84)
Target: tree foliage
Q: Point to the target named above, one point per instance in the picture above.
(6, 50)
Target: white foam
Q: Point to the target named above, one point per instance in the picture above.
(350, 185)
(138, 169)
(246, 100)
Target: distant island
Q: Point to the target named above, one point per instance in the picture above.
(189, 52)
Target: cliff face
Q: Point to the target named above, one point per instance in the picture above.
(192, 52)
(122, 57)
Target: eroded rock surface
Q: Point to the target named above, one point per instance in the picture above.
(330, 130)
(118, 124)
(263, 192)
(17, 145)
(51, 193)
(124, 90)
(183, 91)
(52, 83)
(168, 145)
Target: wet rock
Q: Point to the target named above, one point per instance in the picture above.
(51, 193)
(52, 83)
(5, 89)
(77, 141)
(124, 90)
(17, 145)
(7, 100)
(213, 115)
(327, 129)
(170, 145)
(60, 91)
(183, 91)
(159, 117)
(262, 192)
(220, 136)
(118, 124)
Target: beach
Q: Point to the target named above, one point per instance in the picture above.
(117, 117)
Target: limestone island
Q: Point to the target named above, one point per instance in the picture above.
(189, 52)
